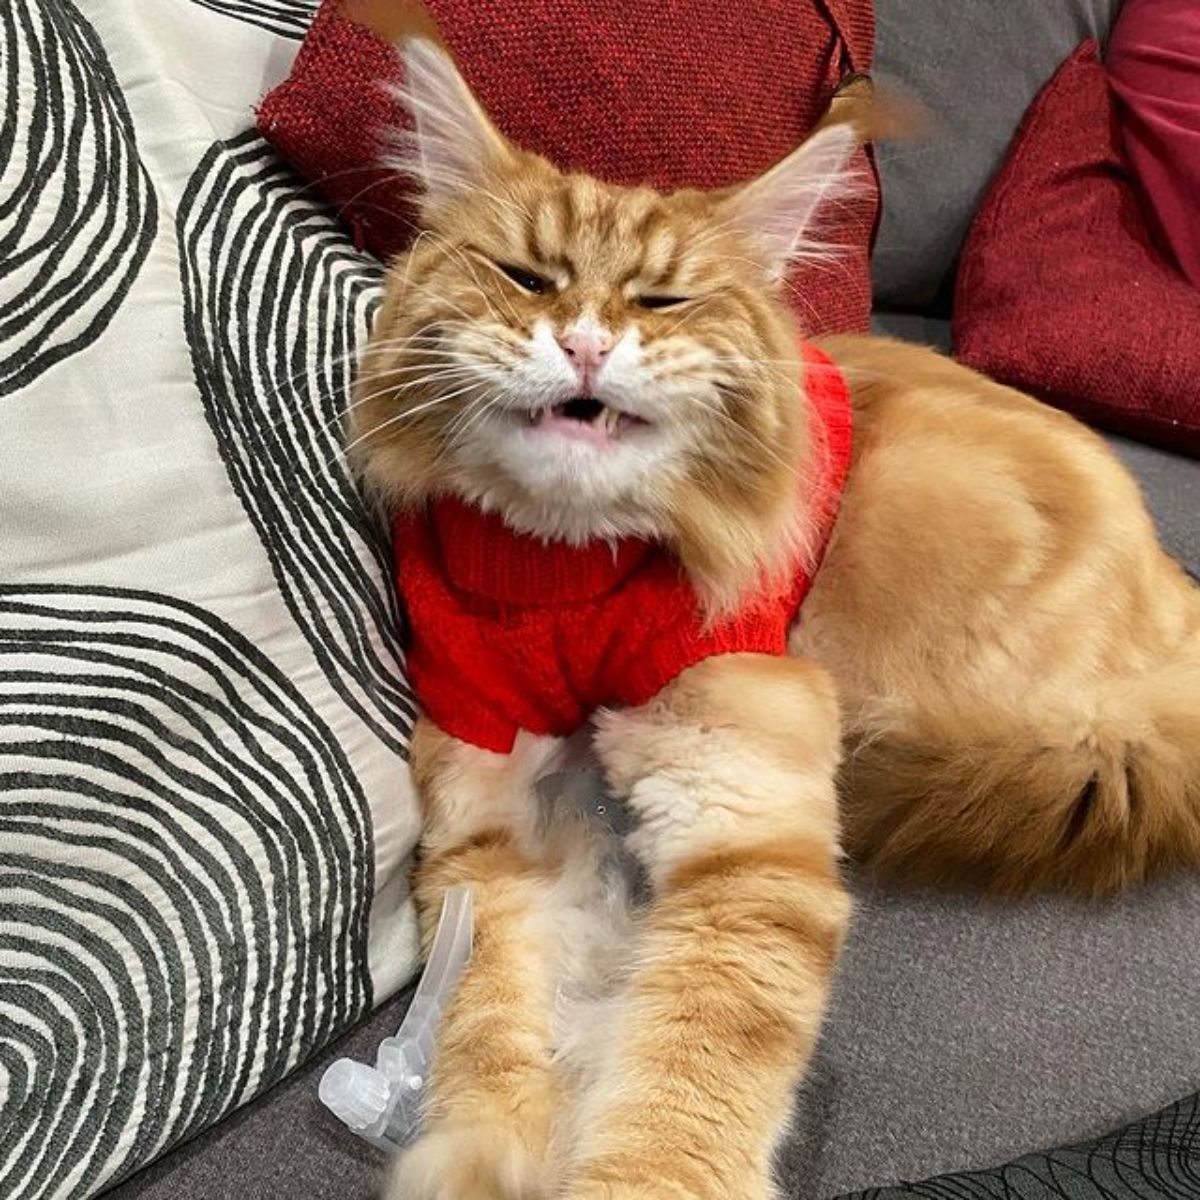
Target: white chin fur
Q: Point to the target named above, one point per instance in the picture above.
(563, 488)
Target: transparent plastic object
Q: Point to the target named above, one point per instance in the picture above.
(382, 1104)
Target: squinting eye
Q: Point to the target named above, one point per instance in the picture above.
(525, 279)
(661, 301)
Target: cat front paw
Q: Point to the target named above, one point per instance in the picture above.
(457, 1161)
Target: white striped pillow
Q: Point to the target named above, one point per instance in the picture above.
(205, 807)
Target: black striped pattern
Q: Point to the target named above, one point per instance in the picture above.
(185, 877)
(288, 18)
(77, 212)
(275, 302)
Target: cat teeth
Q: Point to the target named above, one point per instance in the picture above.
(609, 421)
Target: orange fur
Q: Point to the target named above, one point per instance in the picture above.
(492, 1097)
(730, 770)
(1017, 661)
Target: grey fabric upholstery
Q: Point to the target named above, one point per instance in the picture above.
(1172, 489)
(965, 1033)
(283, 1146)
(975, 65)
(1153, 1158)
(914, 327)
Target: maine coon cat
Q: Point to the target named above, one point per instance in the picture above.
(997, 666)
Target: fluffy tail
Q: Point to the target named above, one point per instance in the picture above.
(1087, 799)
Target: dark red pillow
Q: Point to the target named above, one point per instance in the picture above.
(667, 92)
(1153, 63)
(1062, 291)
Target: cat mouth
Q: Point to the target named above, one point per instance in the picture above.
(584, 418)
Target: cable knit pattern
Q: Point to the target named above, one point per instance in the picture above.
(509, 632)
(663, 92)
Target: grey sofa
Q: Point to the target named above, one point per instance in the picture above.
(963, 1033)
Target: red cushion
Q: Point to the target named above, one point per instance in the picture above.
(1062, 291)
(668, 92)
(1153, 61)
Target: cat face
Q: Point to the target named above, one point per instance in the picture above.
(589, 360)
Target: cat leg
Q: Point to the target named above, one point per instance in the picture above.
(492, 1095)
(730, 772)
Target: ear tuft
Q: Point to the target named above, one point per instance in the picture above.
(780, 209)
(452, 144)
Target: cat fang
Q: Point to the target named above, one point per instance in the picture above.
(584, 419)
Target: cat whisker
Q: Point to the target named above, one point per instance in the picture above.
(770, 451)
(457, 434)
(376, 346)
(301, 392)
(404, 415)
(342, 411)
(459, 426)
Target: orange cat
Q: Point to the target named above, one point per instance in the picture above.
(1018, 663)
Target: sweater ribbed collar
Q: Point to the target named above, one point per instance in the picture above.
(482, 556)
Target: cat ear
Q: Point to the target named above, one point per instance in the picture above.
(453, 145)
(779, 209)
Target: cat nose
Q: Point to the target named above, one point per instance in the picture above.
(586, 345)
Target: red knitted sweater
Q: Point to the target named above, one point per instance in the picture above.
(509, 632)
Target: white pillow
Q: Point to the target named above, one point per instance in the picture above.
(205, 805)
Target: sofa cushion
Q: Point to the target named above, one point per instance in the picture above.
(205, 807)
(975, 65)
(965, 1032)
(1062, 291)
(674, 95)
(1153, 63)
(1171, 485)
(914, 327)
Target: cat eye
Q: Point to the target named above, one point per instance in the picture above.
(525, 279)
(661, 301)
